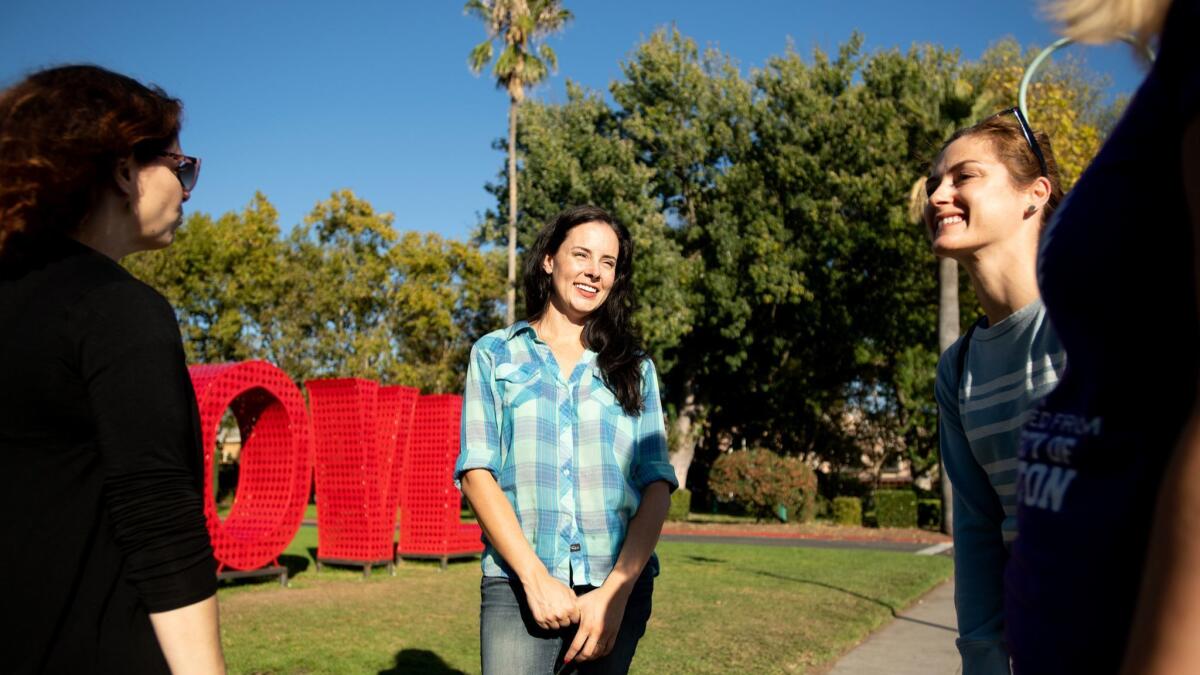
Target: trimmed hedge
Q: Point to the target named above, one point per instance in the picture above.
(929, 514)
(847, 511)
(760, 481)
(681, 505)
(895, 508)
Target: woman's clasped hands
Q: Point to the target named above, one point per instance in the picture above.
(555, 606)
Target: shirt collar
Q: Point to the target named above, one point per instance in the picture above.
(589, 356)
(518, 328)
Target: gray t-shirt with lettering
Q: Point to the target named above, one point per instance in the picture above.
(1008, 367)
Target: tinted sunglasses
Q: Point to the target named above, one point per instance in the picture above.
(187, 169)
(1030, 139)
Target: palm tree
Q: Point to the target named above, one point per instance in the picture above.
(948, 326)
(517, 23)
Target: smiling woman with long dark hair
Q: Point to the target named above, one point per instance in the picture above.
(564, 460)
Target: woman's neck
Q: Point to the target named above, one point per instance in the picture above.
(102, 230)
(1005, 279)
(554, 326)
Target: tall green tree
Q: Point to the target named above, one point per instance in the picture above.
(688, 116)
(516, 25)
(934, 98)
(331, 316)
(343, 295)
(359, 299)
(441, 298)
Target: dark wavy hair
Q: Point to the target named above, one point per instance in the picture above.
(62, 132)
(608, 330)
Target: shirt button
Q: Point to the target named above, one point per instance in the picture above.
(566, 472)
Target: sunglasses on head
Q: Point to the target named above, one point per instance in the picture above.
(187, 169)
(1030, 138)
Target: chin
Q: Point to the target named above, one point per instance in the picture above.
(160, 242)
(947, 246)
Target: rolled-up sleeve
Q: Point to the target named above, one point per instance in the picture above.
(480, 444)
(651, 462)
(149, 438)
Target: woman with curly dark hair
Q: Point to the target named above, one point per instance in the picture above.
(564, 460)
(107, 556)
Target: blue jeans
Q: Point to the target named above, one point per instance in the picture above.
(512, 644)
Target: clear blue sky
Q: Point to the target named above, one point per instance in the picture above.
(300, 98)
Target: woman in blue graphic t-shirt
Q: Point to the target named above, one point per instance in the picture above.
(1106, 570)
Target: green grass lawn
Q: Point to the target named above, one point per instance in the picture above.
(717, 609)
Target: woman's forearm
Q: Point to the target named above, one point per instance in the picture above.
(642, 535)
(190, 638)
(499, 523)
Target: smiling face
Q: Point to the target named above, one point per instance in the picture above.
(973, 202)
(583, 269)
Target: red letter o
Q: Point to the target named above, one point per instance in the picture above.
(276, 460)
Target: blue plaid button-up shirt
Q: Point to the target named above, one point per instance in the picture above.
(572, 463)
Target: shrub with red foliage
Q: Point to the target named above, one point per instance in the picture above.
(760, 480)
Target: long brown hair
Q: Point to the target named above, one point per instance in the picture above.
(608, 330)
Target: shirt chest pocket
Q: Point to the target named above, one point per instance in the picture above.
(519, 384)
(616, 428)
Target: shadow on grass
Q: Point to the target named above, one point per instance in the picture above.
(704, 560)
(420, 661)
(877, 601)
(435, 562)
(268, 574)
(295, 564)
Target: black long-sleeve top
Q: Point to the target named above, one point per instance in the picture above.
(101, 508)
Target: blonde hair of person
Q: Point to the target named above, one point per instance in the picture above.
(1098, 21)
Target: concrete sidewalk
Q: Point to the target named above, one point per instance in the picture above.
(920, 641)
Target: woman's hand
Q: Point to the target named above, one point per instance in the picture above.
(551, 602)
(600, 614)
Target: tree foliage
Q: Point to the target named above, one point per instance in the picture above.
(784, 285)
(342, 295)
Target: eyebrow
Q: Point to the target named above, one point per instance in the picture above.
(589, 251)
(953, 168)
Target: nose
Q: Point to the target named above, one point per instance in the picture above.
(943, 193)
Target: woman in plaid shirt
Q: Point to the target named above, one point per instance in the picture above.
(564, 460)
